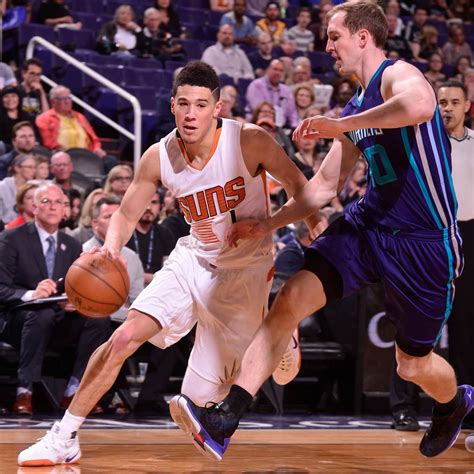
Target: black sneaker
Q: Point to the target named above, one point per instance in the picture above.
(444, 430)
(211, 427)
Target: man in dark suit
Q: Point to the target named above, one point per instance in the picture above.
(33, 257)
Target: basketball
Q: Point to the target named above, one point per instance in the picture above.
(96, 285)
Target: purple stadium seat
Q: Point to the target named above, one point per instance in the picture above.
(194, 16)
(88, 6)
(91, 21)
(70, 40)
(27, 31)
(193, 48)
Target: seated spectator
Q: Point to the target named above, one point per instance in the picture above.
(242, 25)
(319, 28)
(153, 42)
(56, 13)
(440, 10)
(24, 205)
(343, 92)
(220, 5)
(264, 115)
(300, 75)
(62, 128)
(230, 106)
(262, 56)
(456, 45)
(393, 9)
(150, 240)
(75, 203)
(23, 141)
(7, 76)
(414, 26)
(171, 216)
(101, 213)
(396, 42)
(11, 113)
(427, 44)
(119, 36)
(434, 73)
(61, 168)
(83, 232)
(34, 256)
(118, 180)
(462, 9)
(42, 168)
(33, 97)
(271, 23)
(170, 22)
(306, 156)
(22, 169)
(304, 98)
(462, 68)
(287, 50)
(354, 186)
(300, 34)
(270, 88)
(227, 58)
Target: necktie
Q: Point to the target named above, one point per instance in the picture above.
(50, 256)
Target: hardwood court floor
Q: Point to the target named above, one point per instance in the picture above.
(251, 451)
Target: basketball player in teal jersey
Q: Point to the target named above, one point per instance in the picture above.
(402, 232)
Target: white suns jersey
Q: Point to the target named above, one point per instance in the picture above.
(213, 198)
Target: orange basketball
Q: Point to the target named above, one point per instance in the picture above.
(97, 285)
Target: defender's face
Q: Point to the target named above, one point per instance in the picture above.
(194, 109)
(341, 44)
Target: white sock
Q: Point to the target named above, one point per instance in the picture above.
(69, 425)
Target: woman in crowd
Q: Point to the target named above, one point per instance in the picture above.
(83, 232)
(119, 36)
(22, 170)
(434, 73)
(170, 22)
(11, 113)
(427, 45)
(24, 205)
(304, 99)
(118, 180)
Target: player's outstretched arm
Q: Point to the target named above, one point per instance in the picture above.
(135, 201)
(409, 100)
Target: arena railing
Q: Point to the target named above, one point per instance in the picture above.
(136, 136)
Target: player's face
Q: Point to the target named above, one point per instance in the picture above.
(341, 44)
(453, 107)
(194, 109)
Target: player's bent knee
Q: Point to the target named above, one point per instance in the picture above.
(408, 369)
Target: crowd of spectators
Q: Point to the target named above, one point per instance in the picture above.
(269, 63)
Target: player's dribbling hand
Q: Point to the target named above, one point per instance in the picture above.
(318, 127)
(108, 253)
(246, 229)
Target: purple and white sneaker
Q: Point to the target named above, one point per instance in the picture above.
(211, 427)
(444, 429)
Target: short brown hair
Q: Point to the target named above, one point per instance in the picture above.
(21, 124)
(364, 15)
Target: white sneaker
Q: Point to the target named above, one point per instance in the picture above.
(290, 363)
(50, 450)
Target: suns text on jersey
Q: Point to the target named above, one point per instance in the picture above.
(212, 201)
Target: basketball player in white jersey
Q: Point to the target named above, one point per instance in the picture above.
(216, 168)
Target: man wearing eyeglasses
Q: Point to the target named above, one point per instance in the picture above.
(33, 97)
(62, 128)
(61, 168)
(34, 258)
